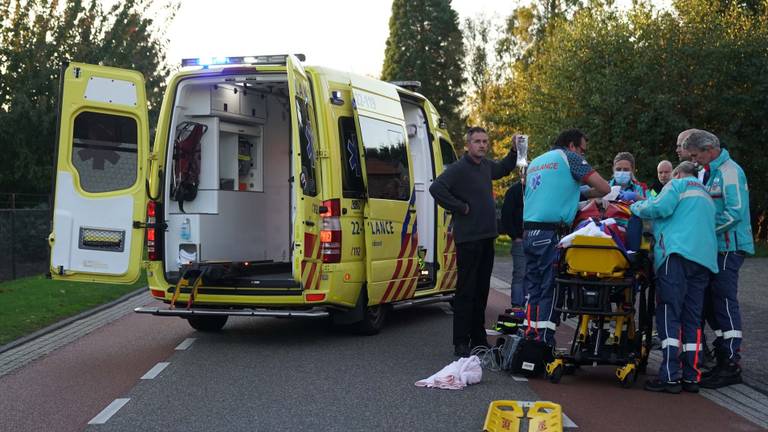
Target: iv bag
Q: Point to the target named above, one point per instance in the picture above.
(521, 143)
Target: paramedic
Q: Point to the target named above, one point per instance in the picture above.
(464, 188)
(550, 202)
(512, 220)
(664, 173)
(727, 184)
(624, 176)
(684, 255)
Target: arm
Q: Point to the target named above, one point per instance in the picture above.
(441, 191)
(503, 167)
(732, 193)
(582, 172)
(660, 207)
(599, 185)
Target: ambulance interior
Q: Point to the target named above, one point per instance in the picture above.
(243, 196)
(419, 147)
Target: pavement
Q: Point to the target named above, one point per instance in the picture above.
(267, 374)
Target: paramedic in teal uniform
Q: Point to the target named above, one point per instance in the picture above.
(550, 204)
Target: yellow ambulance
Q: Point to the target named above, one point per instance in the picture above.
(272, 189)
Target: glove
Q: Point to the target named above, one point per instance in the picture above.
(627, 196)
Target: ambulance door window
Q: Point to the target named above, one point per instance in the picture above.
(307, 147)
(351, 172)
(105, 151)
(446, 149)
(386, 159)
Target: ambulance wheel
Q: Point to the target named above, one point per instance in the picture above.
(373, 320)
(556, 374)
(208, 323)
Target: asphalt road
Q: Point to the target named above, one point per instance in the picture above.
(265, 374)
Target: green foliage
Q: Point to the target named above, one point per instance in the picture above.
(633, 80)
(425, 44)
(36, 36)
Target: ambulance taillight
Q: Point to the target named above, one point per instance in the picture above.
(151, 218)
(330, 233)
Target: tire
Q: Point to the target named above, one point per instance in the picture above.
(208, 323)
(373, 320)
(557, 374)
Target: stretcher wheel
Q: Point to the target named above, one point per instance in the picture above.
(629, 379)
(556, 374)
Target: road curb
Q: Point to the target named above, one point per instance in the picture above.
(67, 321)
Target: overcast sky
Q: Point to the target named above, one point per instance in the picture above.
(348, 35)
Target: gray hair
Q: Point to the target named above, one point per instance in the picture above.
(698, 139)
(664, 162)
(627, 156)
(686, 168)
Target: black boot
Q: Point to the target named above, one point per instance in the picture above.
(690, 386)
(659, 386)
(724, 376)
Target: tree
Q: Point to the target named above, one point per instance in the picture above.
(634, 80)
(425, 44)
(36, 36)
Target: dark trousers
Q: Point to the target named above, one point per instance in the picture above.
(474, 260)
(540, 247)
(679, 301)
(725, 286)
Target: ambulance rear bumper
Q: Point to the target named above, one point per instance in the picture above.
(278, 313)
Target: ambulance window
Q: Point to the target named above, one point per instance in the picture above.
(386, 159)
(307, 147)
(105, 151)
(351, 171)
(446, 149)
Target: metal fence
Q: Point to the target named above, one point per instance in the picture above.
(24, 228)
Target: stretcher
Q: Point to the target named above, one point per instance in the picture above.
(610, 295)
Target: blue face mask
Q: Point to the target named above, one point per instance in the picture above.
(622, 177)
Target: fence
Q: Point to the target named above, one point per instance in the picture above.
(24, 228)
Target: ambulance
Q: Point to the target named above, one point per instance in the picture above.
(272, 189)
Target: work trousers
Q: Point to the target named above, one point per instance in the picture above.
(725, 286)
(519, 294)
(474, 260)
(679, 301)
(540, 248)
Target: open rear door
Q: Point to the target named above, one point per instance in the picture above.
(101, 162)
(306, 197)
(390, 212)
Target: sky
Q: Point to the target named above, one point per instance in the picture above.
(349, 35)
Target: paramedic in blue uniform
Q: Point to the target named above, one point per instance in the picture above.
(685, 255)
(464, 188)
(550, 204)
(727, 184)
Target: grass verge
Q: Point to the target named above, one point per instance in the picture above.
(761, 249)
(503, 245)
(31, 303)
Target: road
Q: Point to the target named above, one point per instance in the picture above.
(276, 374)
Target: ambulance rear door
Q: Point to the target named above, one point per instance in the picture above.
(306, 200)
(390, 223)
(100, 183)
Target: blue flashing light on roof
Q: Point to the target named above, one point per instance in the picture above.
(221, 61)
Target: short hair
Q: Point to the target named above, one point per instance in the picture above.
(698, 139)
(473, 130)
(686, 168)
(664, 162)
(627, 156)
(570, 136)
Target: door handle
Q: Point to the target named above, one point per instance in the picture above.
(411, 210)
(309, 223)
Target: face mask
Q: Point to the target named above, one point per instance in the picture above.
(622, 177)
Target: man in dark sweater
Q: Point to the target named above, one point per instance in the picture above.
(464, 188)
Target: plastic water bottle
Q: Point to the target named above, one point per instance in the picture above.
(186, 231)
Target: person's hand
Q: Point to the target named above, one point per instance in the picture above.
(627, 196)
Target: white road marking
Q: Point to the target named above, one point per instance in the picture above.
(185, 344)
(519, 379)
(109, 411)
(155, 371)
